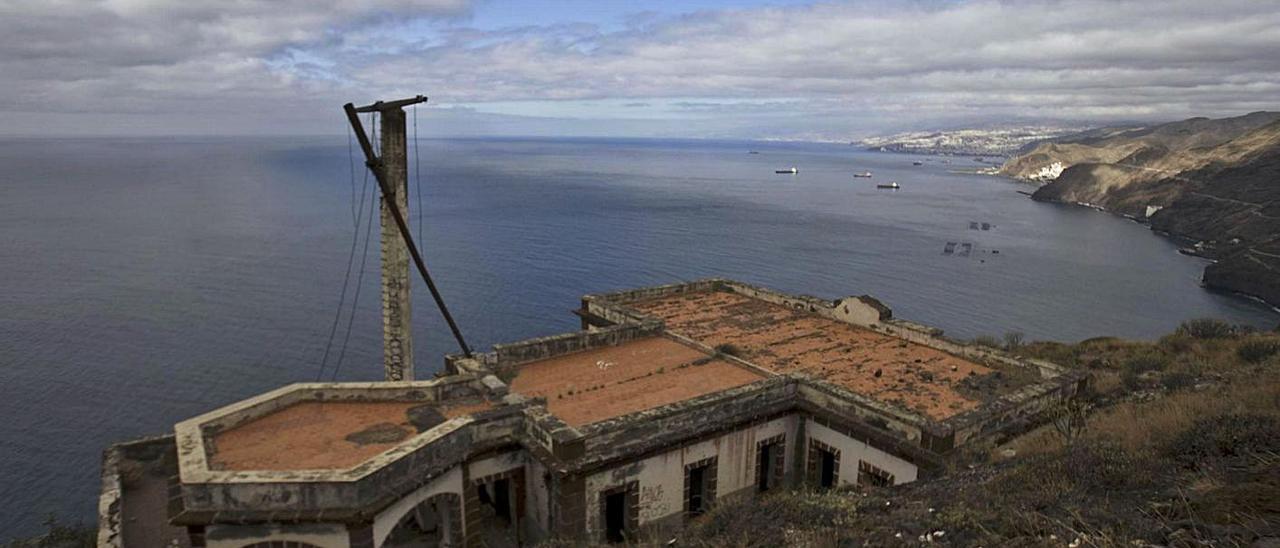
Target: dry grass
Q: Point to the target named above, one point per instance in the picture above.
(1136, 426)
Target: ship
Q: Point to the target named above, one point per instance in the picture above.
(893, 185)
(865, 174)
(790, 170)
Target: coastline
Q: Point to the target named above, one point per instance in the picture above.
(1191, 247)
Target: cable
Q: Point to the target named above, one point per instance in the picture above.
(351, 159)
(355, 300)
(417, 171)
(346, 280)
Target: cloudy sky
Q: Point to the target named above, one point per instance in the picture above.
(701, 68)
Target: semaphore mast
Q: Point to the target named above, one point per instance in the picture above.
(392, 173)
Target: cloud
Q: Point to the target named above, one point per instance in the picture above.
(1062, 59)
(843, 68)
(151, 59)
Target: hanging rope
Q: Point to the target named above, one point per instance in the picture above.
(417, 171)
(351, 159)
(355, 300)
(358, 213)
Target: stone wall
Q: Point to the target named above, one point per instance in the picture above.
(510, 355)
(368, 487)
(1020, 409)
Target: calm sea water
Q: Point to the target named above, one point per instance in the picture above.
(147, 281)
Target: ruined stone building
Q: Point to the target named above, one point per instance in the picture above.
(670, 399)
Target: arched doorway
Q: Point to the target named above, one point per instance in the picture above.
(436, 521)
(281, 544)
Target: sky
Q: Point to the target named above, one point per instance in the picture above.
(750, 69)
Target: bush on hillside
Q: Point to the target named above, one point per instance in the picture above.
(1257, 350)
(1133, 368)
(1225, 436)
(1207, 328)
(1095, 467)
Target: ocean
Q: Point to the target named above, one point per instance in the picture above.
(145, 281)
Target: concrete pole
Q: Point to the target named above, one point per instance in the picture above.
(397, 340)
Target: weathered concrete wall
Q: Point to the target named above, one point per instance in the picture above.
(109, 518)
(644, 293)
(238, 536)
(1022, 407)
(496, 464)
(661, 477)
(537, 500)
(368, 487)
(861, 310)
(853, 450)
(829, 396)
(231, 416)
(514, 354)
(657, 429)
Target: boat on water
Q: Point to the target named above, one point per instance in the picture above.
(753, 152)
(865, 174)
(892, 184)
(917, 163)
(790, 170)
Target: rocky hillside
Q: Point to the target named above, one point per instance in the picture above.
(1214, 182)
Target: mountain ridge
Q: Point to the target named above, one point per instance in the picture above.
(1213, 182)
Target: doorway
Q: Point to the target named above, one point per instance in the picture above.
(827, 477)
(823, 467)
(770, 463)
(615, 517)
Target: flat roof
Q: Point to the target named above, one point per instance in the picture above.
(327, 435)
(602, 383)
(911, 376)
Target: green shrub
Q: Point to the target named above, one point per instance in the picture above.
(1225, 436)
(1178, 380)
(1133, 368)
(1257, 350)
(1154, 361)
(1178, 343)
(1207, 328)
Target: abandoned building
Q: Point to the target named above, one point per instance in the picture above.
(669, 399)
